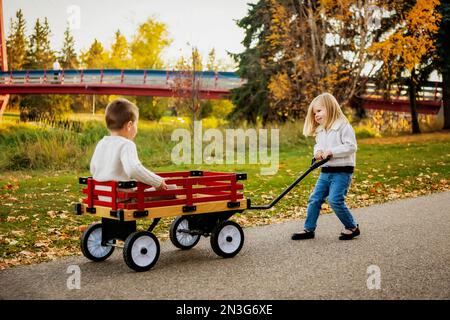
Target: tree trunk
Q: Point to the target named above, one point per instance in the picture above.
(413, 103)
(446, 98)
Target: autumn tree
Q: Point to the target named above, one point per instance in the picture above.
(95, 57)
(410, 48)
(119, 57)
(146, 49)
(298, 49)
(148, 43)
(188, 84)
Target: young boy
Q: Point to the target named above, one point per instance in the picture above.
(115, 156)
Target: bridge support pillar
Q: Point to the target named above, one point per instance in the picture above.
(3, 60)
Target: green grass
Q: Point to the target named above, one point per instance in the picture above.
(37, 223)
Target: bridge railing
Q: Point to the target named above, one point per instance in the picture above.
(205, 80)
(429, 91)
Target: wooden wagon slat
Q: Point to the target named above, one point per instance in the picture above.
(164, 211)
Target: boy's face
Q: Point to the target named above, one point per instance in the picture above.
(130, 130)
(320, 114)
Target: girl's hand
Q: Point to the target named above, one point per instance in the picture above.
(318, 155)
(327, 154)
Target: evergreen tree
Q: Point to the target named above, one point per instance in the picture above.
(17, 43)
(69, 59)
(443, 58)
(40, 54)
(16, 48)
(211, 64)
(251, 99)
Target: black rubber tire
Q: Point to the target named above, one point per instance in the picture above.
(128, 247)
(84, 244)
(173, 237)
(215, 239)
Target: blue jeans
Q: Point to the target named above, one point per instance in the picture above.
(335, 187)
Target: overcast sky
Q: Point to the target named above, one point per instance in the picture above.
(205, 24)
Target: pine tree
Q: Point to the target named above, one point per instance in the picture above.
(68, 58)
(17, 43)
(17, 47)
(251, 99)
(443, 58)
(40, 54)
(211, 64)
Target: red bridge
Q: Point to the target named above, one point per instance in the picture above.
(429, 98)
(206, 84)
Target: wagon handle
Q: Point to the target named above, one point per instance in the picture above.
(314, 165)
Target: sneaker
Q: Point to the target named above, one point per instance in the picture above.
(303, 235)
(349, 236)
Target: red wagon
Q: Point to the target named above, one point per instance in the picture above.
(203, 202)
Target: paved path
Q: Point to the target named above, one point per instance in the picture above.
(409, 240)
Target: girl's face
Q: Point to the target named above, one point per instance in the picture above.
(320, 114)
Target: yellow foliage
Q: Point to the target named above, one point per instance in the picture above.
(410, 43)
(279, 86)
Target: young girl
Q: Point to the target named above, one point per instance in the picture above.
(335, 138)
(115, 156)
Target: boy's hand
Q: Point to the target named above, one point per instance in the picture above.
(162, 186)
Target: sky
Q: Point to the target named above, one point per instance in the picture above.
(205, 24)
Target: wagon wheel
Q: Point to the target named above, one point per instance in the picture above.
(180, 236)
(91, 244)
(227, 239)
(141, 250)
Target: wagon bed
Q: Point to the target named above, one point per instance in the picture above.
(196, 192)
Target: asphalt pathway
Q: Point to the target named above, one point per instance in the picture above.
(403, 253)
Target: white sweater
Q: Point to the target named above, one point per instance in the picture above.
(340, 139)
(116, 158)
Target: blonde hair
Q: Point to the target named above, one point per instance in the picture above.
(119, 112)
(334, 112)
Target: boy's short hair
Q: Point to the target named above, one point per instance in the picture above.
(119, 112)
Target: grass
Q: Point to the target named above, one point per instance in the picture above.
(37, 224)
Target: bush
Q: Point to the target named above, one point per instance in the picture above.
(29, 146)
(365, 131)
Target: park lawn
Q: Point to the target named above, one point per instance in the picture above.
(37, 222)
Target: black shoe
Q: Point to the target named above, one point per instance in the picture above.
(350, 236)
(303, 235)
